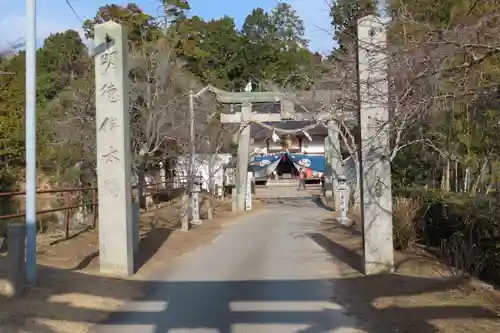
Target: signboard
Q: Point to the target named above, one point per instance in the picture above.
(248, 194)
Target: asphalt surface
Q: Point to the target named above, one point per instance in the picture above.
(265, 274)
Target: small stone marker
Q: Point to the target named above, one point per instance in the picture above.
(234, 200)
(342, 193)
(195, 206)
(163, 176)
(248, 196)
(116, 240)
(210, 210)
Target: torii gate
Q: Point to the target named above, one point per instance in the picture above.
(245, 117)
(375, 167)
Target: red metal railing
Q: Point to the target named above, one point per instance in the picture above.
(69, 207)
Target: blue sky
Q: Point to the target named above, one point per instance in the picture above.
(55, 15)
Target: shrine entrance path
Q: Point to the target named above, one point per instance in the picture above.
(279, 190)
(264, 274)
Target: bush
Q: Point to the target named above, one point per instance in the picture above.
(464, 229)
(461, 257)
(406, 221)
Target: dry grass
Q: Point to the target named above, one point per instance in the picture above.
(423, 296)
(405, 219)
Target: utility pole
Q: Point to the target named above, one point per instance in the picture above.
(165, 14)
(191, 134)
(195, 202)
(192, 95)
(30, 122)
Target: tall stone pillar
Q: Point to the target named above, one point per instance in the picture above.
(376, 196)
(328, 170)
(243, 158)
(113, 151)
(334, 158)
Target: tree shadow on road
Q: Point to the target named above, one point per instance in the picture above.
(150, 242)
(365, 295)
(351, 258)
(288, 201)
(221, 305)
(320, 202)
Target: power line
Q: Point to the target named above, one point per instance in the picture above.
(73, 10)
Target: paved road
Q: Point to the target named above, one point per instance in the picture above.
(286, 191)
(263, 275)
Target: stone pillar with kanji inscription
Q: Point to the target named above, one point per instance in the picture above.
(334, 160)
(376, 194)
(116, 249)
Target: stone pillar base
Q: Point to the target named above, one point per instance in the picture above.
(345, 221)
(234, 200)
(210, 212)
(136, 224)
(184, 213)
(16, 236)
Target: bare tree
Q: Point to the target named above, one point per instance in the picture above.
(160, 108)
(75, 150)
(432, 71)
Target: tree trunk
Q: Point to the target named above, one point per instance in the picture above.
(455, 180)
(445, 178)
(211, 172)
(141, 175)
(480, 177)
(490, 178)
(466, 179)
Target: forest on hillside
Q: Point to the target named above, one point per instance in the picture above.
(444, 80)
(165, 63)
(444, 75)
